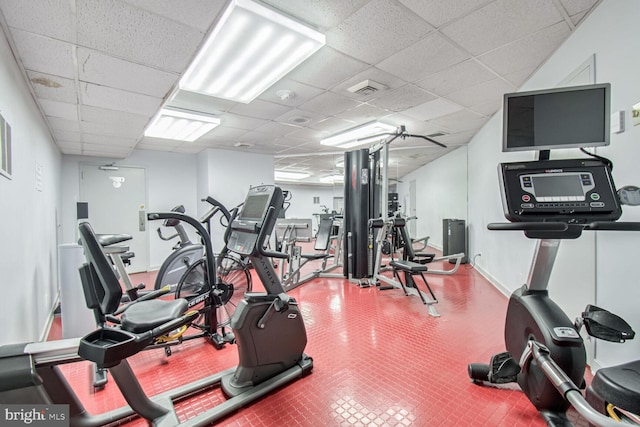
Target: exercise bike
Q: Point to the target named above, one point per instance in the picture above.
(268, 327)
(552, 200)
(185, 252)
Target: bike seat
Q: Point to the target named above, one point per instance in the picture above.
(152, 313)
(619, 385)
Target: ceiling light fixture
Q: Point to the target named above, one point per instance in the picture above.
(181, 125)
(250, 48)
(332, 179)
(280, 175)
(363, 134)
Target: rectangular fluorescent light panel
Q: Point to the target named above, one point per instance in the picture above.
(332, 179)
(180, 125)
(250, 48)
(290, 176)
(364, 134)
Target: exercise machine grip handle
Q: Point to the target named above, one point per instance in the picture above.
(528, 226)
(263, 235)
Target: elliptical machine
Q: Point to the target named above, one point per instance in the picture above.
(552, 200)
(268, 326)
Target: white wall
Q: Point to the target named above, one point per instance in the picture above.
(302, 205)
(506, 256)
(29, 218)
(441, 192)
(171, 181)
(227, 176)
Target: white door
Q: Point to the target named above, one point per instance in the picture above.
(116, 198)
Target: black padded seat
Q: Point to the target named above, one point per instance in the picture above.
(112, 239)
(143, 317)
(619, 385)
(408, 266)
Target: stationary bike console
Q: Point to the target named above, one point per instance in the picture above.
(573, 190)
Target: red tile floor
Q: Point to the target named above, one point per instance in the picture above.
(379, 360)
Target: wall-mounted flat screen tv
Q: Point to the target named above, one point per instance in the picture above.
(569, 117)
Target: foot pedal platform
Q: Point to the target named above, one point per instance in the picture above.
(605, 325)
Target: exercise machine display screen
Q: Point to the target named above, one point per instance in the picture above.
(254, 219)
(254, 207)
(575, 190)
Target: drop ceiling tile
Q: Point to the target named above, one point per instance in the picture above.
(198, 102)
(98, 68)
(501, 22)
(116, 99)
(487, 109)
(112, 129)
(113, 117)
(108, 140)
(577, 18)
(301, 93)
(377, 30)
(135, 34)
(68, 145)
(412, 125)
(402, 98)
(573, 7)
(527, 53)
(459, 76)
(62, 110)
(461, 121)
(241, 122)
(199, 14)
(44, 54)
(290, 142)
(297, 117)
(363, 113)
(277, 129)
(155, 147)
(63, 124)
(222, 132)
(323, 14)
(438, 12)
(146, 142)
(260, 109)
(331, 125)
(51, 18)
(71, 150)
(55, 88)
(329, 103)
(66, 135)
(188, 149)
(372, 73)
(427, 56)
(518, 78)
(314, 135)
(484, 92)
(430, 110)
(313, 71)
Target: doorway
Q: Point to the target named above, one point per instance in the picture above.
(117, 200)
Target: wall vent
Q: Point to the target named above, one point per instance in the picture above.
(366, 87)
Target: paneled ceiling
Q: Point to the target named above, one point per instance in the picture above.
(100, 69)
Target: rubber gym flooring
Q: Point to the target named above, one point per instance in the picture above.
(379, 360)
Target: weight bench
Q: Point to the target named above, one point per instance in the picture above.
(410, 270)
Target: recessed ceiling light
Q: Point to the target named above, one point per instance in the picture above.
(250, 48)
(281, 175)
(359, 135)
(181, 125)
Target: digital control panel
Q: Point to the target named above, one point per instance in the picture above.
(570, 190)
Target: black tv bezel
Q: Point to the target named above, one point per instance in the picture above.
(607, 117)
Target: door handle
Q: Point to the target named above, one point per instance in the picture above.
(142, 220)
